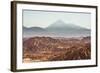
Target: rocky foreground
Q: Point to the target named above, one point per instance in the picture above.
(56, 49)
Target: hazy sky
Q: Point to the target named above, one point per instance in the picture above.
(45, 18)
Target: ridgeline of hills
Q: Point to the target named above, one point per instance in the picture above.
(56, 29)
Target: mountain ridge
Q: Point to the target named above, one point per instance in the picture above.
(58, 28)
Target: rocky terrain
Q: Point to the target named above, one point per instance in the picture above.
(56, 49)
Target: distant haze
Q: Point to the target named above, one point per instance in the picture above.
(46, 18)
(57, 30)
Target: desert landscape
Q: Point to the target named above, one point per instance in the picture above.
(56, 36)
(56, 49)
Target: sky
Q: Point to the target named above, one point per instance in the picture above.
(43, 19)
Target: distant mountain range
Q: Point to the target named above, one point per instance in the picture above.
(56, 29)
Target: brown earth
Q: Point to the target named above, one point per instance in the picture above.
(56, 49)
